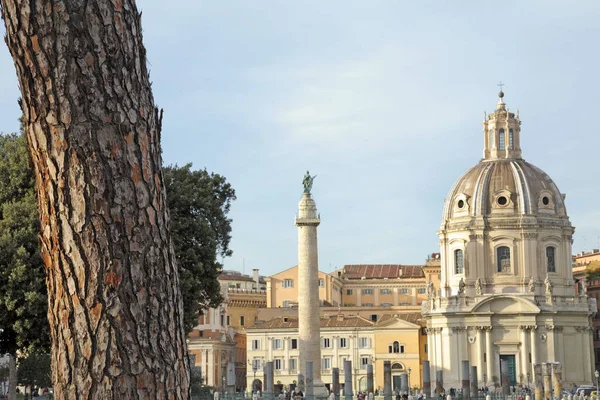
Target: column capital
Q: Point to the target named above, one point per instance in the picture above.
(458, 329)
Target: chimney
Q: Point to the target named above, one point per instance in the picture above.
(255, 276)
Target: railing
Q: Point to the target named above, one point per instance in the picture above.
(246, 291)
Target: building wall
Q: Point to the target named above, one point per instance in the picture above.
(280, 294)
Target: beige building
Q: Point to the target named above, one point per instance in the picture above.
(398, 338)
(218, 343)
(507, 291)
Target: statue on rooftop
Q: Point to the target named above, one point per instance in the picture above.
(308, 182)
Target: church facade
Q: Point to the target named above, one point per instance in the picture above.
(507, 290)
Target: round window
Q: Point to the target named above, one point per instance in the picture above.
(545, 200)
(461, 204)
(502, 200)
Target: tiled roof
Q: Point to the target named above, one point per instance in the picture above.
(329, 322)
(380, 271)
(413, 318)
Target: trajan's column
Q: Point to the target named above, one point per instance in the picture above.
(308, 287)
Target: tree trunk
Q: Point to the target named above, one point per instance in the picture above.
(12, 377)
(115, 310)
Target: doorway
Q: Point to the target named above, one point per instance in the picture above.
(396, 383)
(512, 369)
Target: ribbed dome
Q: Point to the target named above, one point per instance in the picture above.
(503, 187)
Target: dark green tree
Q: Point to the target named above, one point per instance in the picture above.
(23, 300)
(34, 370)
(199, 202)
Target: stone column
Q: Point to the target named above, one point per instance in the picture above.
(387, 380)
(211, 368)
(524, 351)
(538, 382)
(335, 382)
(307, 222)
(370, 378)
(504, 374)
(557, 378)
(490, 358)
(480, 351)
(269, 377)
(310, 389)
(547, 373)
(403, 382)
(533, 344)
(474, 383)
(348, 379)
(466, 384)
(439, 381)
(426, 379)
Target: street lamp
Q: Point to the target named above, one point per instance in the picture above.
(409, 380)
(597, 375)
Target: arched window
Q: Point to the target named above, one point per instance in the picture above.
(396, 347)
(550, 259)
(501, 139)
(459, 265)
(511, 139)
(503, 258)
(491, 138)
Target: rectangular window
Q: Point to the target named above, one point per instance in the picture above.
(327, 363)
(501, 139)
(256, 365)
(287, 283)
(503, 258)
(222, 320)
(293, 362)
(287, 303)
(278, 364)
(425, 348)
(228, 321)
(326, 343)
(364, 361)
(374, 317)
(364, 343)
(511, 139)
(294, 344)
(349, 292)
(256, 344)
(367, 291)
(321, 282)
(367, 304)
(386, 304)
(277, 344)
(343, 343)
(550, 263)
(459, 264)
(421, 291)
(385, 291)
(404, 291)
(242, 320)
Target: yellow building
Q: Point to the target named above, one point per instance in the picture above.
(397, 338)
(282, 289)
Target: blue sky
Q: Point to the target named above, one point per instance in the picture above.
(383, 100)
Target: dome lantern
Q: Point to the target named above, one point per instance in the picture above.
(502, 133)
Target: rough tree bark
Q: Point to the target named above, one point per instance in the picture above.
(115, 310)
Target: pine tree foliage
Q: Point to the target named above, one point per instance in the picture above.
(199, 203)
(23, 299)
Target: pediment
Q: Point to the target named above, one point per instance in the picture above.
(506, 305)
(397, 323)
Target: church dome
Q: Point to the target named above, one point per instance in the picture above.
(503, 184)
(504, 187)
